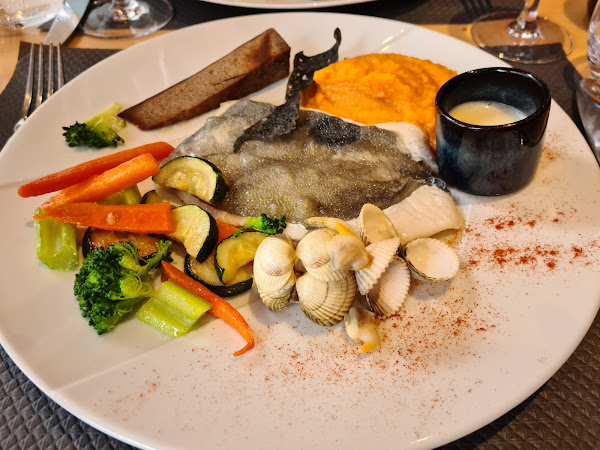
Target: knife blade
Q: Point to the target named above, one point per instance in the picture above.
(66, 21)
(589, 111)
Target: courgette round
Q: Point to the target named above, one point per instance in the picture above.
(151, 197)
(235, 252)
(197, 176)
(206, 274)
(196, 229)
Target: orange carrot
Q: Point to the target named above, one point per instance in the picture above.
(220, 307)
(150, 218)
(225, 230)
(108, 182)
(77, 174)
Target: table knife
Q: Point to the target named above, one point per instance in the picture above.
(66, 21)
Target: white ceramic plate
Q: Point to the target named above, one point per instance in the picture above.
(287, 4)
(462, 353)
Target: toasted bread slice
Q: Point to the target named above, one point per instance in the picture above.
(249, 68)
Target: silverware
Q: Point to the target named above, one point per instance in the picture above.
(37, 73)
(589, 111)
(66, 21)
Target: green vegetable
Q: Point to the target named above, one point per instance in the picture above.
(98, 132)
(56, 243)
(128, 196)
(112, 280)
(173, 309)
(264, 224)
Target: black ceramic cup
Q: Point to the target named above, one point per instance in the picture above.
(498, 159)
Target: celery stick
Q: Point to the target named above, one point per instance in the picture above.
(129, 196)
(173, 309)
(56, 243)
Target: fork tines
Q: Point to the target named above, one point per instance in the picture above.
(45, 73)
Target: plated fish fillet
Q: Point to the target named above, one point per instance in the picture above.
(325, 167)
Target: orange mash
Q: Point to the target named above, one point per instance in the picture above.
(380, 88)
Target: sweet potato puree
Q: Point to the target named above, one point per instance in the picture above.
(380, 88)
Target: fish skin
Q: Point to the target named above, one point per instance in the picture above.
(306, 173)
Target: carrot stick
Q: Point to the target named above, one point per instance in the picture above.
(108, 182)
(77, 174)
(225, 230)
(220, 307)
(150, 218)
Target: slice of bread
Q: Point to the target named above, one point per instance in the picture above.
(249, 68)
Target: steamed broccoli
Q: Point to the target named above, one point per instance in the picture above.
(264, 224)
(112, 280)
(98, 132)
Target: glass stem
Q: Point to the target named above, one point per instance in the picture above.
(525, 26)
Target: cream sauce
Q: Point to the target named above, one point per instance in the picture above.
(486, 113)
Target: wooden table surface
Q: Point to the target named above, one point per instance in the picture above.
(572, 14)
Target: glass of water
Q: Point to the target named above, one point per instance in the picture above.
(18, 14)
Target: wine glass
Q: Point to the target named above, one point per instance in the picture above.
(523, 37)
(592, 86)
(126, 18)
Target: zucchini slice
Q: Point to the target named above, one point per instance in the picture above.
(128, 196)
(206, 274)
(94, 238)
(195, 175)
(151, 197)
(234, 252)
(196, 229)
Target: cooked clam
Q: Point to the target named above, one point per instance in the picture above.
(382, 254)
(312, 251)
(427, 211)
(431, 259)
(325, 302)
(375, 225)
(347, 252)
(361, 327)
(387, 296)
(274, 271)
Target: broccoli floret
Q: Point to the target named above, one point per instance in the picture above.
(98, 132)
(112, 280)
(263, 223)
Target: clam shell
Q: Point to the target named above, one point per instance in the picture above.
(280, 299)
(348, 252)
(382, 253)
(431, 259)
(387, 296)
(325, 303)
(275, 255)
(332, 223)
(312, 248)
(375, 225)
(313, 252)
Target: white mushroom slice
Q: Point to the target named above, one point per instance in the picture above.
(387, 296)
(325, 303)
(382, 253)
(431, 260)
(375, 225)
(361, 326)
(427, 211)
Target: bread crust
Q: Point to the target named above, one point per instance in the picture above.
(249, 68)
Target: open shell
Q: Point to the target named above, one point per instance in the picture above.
(382, 254)
(325, 302)
(375, 225)
(431, 259)
(387, 296)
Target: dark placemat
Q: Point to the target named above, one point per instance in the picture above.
(564, 413)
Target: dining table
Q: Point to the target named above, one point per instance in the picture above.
(563, 413)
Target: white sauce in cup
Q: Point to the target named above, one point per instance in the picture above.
(486, 113)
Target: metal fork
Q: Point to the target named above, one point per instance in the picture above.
(37, 75)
